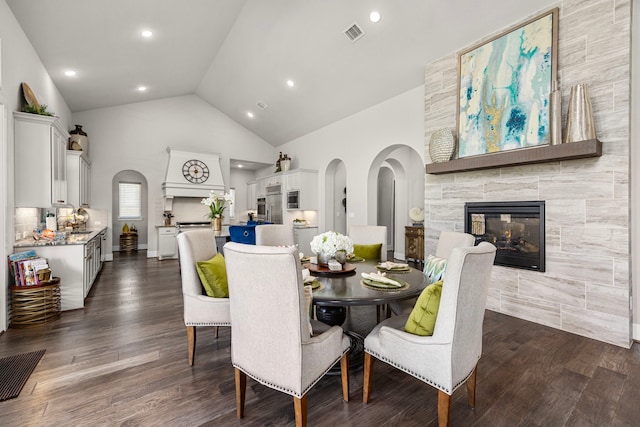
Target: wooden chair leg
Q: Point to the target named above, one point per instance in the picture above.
(191, 343)
(368, 372)
(444, 404)
(471, 388)
(215, 332)
(241, 387)
(344, 373)
(300, 407)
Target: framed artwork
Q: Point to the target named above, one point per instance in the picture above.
(504, 85)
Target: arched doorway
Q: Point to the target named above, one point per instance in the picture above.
(135, 185)
(336, 197)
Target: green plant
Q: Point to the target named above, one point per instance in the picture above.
(35, 109)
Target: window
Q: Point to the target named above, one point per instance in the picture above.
(130, 200)
(232, 206)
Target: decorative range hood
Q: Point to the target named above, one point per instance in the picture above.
(191, 174)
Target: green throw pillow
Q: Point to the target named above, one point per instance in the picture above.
(434, 268)
(372, 252)
(422, 320)
(213, 275)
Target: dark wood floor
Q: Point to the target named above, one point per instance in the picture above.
(123, 361)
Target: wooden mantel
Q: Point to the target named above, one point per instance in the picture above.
(525, 156)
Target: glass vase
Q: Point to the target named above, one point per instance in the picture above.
(323, 259)
(341, 257)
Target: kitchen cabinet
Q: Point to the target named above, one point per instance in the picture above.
(77, 265)
(414, 244)
(306, 182)
(252, 195)
(167, 243)
(302, 237)
(78, 179)
(40, 145)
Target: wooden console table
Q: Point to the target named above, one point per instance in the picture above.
(414, 244)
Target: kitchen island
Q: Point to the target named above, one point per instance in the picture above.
(77, 260)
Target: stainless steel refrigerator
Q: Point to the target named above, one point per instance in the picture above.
(274, 205)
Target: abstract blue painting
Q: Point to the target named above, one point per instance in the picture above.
(504, 86)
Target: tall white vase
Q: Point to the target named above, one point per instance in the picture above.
(580, 125)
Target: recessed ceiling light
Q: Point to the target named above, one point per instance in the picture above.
(240, 166)
(142, 88)
(146, 33)
(290, 83)
(69, 73)
(374, 16)
(250, 114)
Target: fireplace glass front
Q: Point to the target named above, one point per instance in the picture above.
(515, 228)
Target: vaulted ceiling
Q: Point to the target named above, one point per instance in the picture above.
(237, 53)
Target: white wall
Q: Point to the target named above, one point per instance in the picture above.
(239, 179)
(18, 63)
(135, 137)
(635, 169)
(357, 140)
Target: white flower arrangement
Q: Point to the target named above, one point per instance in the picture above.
(216, 204)
(331, 242)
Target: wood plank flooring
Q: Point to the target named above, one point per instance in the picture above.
(123, 361)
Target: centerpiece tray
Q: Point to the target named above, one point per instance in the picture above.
(316, 270)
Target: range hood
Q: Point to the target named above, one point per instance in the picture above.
(191, 174)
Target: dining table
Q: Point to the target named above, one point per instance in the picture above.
(338, 290)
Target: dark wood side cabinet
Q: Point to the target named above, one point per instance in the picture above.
(414, 244)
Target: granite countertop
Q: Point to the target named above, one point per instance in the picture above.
(75, 238)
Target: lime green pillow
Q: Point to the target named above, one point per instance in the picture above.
(371, 252)
(422, 319)
(213, 275)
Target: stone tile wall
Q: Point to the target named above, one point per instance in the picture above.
(586, 288)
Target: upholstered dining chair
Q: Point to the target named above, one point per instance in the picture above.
(199, 309)
(274, 235)
(450, 356)
(270, 340)
(446, 242)
(370, 235)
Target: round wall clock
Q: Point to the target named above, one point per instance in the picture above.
(195, 171)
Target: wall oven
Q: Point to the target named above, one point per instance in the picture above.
(293, 199)
(261, 211)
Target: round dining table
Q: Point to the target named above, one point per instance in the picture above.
(341, 289)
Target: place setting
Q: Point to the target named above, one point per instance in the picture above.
(393, 267)
(381, 282)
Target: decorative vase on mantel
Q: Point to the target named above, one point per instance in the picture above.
(216, 223)
(323, 259)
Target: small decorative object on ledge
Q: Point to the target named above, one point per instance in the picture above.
(580, 125)
(283, 163)
(555, 115)
(417, 216)
(441, 145)
(78, 140)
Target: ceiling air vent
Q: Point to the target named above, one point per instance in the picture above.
(354, 32)
(262, 105)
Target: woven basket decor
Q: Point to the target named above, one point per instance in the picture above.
(441, 145)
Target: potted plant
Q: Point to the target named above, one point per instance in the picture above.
(217, 206)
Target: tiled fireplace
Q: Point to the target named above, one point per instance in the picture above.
(515, 228)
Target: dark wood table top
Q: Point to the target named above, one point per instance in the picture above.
(342, 290)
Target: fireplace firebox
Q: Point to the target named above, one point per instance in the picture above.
(515, 228)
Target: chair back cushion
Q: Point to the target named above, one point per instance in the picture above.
(453, 239)
(194, 246)
(423, 317)
(274, 235)
(213, 275)
(368, 235)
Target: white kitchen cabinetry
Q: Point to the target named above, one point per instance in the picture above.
(306, 182)
(40, 145)
(76, 265)
(167, 243)
(78, 179)
(252, 194)
(302, 237)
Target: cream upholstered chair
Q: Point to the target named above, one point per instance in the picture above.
(450, 357)
(446, 242)
(274, 235)
(370, 235)
(199, 309)
(270, 339)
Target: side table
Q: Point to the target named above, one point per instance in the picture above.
(414, 244)
(128, 242)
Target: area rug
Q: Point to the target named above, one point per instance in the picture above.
(15, 371)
